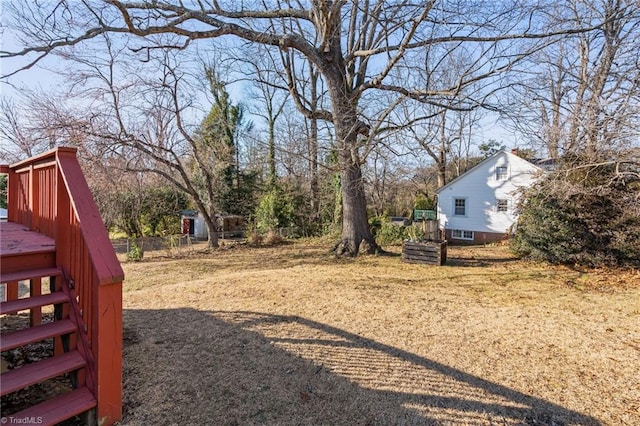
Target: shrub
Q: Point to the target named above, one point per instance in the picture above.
(575, 223)
(389, 233)
(135, 252)
(275, 210)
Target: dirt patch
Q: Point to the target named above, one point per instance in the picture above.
(291, 335)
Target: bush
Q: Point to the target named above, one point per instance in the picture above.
(275, 210)
(389, 233)
(423, 202)
(135, 252)
(570, 223)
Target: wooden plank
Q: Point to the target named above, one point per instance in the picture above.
(423, 259)
(38, 372)
(18, 239)
(18, 263)
(29, 274)
(36, 334)
(430, 253)
(60, 408)
(426, 245)
(421, 252)
(426, 249)
(12, 290)
(44, 157)
(30, 302)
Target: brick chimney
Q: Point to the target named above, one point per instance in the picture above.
(515, 151)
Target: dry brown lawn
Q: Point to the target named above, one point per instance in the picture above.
(289, 335)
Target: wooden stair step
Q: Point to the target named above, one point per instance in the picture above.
(60, 408)
(13, 306)
(36, 334)
(29, 274)
(40, 371)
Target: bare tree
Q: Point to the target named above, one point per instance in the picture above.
(271, 94)
(447, 140)
(146, 125)
(583, 96)
(357, 47)
(32, 126)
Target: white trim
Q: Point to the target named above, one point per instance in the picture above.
(506, 173)
(462, 236)
(466, 206)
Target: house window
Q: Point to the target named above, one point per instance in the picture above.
(460, 234)
(502, 205)
(501, 173)
(460, 207)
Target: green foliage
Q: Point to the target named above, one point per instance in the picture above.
(275, 210)
(240, 198)
(423, 202)
(389, 233)
(3, 191)
(162, 209)
(135, 252)
(215, 167)
(578, 225)
(145, 210)
(487, 149)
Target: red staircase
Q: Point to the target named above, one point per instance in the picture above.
(55, 234)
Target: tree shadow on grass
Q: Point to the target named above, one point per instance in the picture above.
(183, 366)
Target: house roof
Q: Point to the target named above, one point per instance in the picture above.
(480, 164)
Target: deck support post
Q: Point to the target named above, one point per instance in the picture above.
(107, 351)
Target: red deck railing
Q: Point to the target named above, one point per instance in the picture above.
(49, 194)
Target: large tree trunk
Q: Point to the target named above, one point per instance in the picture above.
(356, 235)
(213, 232)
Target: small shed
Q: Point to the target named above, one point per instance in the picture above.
(193, 224)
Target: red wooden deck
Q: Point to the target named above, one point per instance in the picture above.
(55, 230)
(17, 239)
(19, 246)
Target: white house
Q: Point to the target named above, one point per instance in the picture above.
(479, 205)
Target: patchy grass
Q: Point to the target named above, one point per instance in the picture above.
(291, 335)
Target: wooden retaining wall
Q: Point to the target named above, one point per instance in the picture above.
(428, 252)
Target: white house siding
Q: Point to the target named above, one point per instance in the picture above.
(481, 190)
